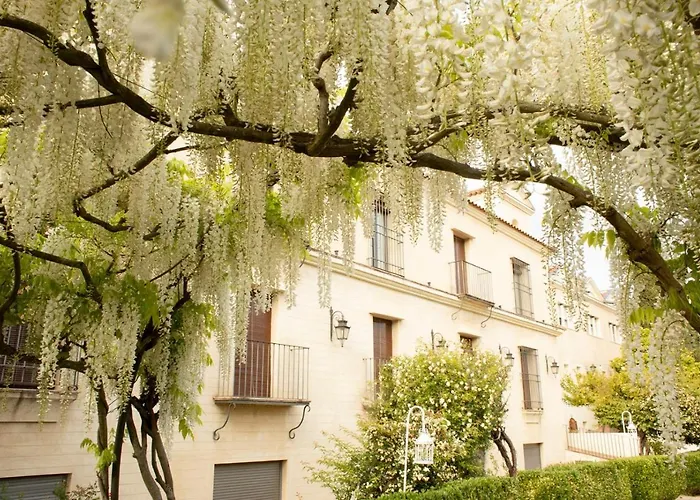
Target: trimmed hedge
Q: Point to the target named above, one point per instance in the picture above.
(692, 473)
(641, 478)
(653, 477)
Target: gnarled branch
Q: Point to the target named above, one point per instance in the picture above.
(142, 163)
(56, 259)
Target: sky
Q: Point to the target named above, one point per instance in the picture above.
(597, 266)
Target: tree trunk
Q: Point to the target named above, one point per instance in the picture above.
(509, 455)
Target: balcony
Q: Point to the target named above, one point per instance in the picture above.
(272, 374)
(471, 281)
(373, 367)
(386, 250)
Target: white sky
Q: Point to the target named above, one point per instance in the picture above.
(597, 266)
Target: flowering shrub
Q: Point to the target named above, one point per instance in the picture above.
(462, 396)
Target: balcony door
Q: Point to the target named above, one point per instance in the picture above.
(252, 376)
(460, 265)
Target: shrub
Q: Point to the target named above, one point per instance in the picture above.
(462, 396)
(600, 481)
(653, 477)
(478, 488)
(692, 473)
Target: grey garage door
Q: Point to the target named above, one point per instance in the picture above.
(31, 487)
(532, 454)
(248, 481)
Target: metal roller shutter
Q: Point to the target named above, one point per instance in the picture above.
(532, 456)
(248, 481)
(30, 488)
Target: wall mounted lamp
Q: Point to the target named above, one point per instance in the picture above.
(437, 340)
(552, 365)
(507, 356)
(341, 328)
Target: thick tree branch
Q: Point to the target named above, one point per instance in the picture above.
(323, 97)
(140, 456)
(49, 257)
(95, 102)
(167, 482)
(639, 249)
(84, 214)
(142, 163)
(16, 281)
(102, 439)
(335, 117)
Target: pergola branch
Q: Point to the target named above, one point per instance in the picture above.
(56, 259)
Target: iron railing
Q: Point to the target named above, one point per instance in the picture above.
(605, 445)
(470, 280)
(386, 250)
(373, 368)
(532, 390)
(532, 397)
(269, 373)
(18, 374)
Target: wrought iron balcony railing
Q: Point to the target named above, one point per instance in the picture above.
(470, 280)
(386, 250)
(270, 374)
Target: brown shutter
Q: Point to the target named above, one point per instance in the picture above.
(252, 377)
(383, 348)
(460, 265)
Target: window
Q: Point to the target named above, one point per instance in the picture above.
(29, 487)
(563, 315)
(613, 333)
(17, 374)
(522, 288)
(532, 397)
(386, 244)
(593, 326)
(532, 455)
(467, 343)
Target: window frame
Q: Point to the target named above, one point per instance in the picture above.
(522, 288)
(593, 326)
(531, 380)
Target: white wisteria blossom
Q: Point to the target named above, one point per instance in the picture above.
(296, 117)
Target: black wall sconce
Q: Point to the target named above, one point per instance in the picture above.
(341, 328)
(441, 342)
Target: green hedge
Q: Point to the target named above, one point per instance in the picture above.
(653, 478)
(692, 473)
(642, 478)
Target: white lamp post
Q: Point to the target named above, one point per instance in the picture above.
(424, 447)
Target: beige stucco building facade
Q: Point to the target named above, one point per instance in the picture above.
(486, 285)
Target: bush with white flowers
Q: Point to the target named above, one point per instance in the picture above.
(462, 397)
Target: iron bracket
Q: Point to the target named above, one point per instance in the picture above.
(292, 434)
(216, 435)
